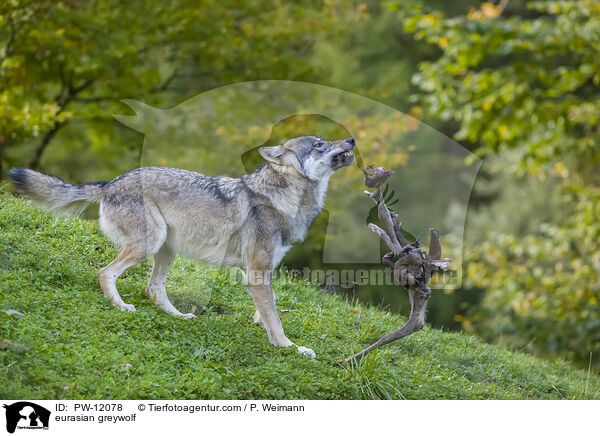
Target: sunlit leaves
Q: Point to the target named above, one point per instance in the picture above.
(85, 56)
(505, 78)
(528, 82)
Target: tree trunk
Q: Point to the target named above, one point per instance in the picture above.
(35, 162)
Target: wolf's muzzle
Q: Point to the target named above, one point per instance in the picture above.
(345, 157)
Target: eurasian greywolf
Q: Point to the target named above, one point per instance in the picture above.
(249, 222)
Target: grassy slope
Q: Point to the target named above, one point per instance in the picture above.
(77, 340)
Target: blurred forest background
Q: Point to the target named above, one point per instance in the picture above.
(515, 82)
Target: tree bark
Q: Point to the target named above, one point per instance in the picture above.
(35, 162)
(416, 321)
(63, 101)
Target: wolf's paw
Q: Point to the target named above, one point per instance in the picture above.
(306, 352)
(125, 307)
(187, 315)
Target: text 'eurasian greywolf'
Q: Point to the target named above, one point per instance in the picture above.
(249, 222)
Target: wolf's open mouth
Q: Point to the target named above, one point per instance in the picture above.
(343, 159)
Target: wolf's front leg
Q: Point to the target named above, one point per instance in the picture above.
(259, 285)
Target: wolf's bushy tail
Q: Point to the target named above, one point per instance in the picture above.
(53, 193)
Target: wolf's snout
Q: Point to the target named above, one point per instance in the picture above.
(344, 154)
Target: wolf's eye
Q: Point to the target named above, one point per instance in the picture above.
(317, 144)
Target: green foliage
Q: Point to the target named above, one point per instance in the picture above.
(516, 81)
(66, 61)
(372, 375)
(77, 346)
(542, 290)
(528, 81)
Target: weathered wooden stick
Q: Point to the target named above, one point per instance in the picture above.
(386, 220)
(416, 321)
(394, 246)
(398, 230)
(411, 265)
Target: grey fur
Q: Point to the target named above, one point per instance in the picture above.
(249, 222)
(54, 193)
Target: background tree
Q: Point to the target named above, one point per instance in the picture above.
(67, 62)
(525, 87)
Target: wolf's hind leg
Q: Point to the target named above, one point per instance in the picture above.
(156, 289)
(130, 255)
(140, 229)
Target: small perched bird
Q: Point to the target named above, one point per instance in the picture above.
(375, 177)
(435, 247)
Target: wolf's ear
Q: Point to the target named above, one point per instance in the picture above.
(272, 154)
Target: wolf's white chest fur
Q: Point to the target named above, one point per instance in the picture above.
(300, 210)
(299, 216)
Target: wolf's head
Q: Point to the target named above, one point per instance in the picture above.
(312, 156)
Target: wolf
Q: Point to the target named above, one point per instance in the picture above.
(248, 222)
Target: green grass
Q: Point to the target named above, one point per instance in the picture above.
(79, 346)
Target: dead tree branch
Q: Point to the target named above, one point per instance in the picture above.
(411, 265)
